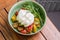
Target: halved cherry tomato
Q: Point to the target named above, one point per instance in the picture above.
(29, 28)
(23, 31)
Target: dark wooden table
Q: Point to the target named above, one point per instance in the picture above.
(49, 32)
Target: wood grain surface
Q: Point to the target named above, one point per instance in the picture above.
(1, 36)
(49, 31)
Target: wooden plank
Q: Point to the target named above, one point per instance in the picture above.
(8, 8)
(4, 30)
(7, 30)
(1, 36)
(2, 4)
(38, 36)
(10, 36)
(5, 3)
(10, 2)
(50, 32)
(3, 13)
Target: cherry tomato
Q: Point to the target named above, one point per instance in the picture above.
(23, 31)
(29, 28)
(16, 13)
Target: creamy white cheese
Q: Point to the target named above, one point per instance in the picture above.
(25, 17)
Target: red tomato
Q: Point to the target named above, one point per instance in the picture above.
(29, 29)
(23, 31)
(16, 13)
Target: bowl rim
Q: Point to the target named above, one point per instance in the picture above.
(22, 2)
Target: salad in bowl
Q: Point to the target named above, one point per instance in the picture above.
(27, 17)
